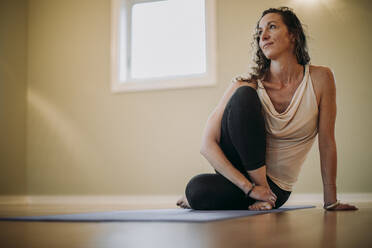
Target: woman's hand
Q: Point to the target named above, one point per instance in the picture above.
(342, 207)
(263, 193)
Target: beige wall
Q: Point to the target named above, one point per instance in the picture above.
(82, 139)
(13, 44)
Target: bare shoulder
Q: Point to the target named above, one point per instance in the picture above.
(320, 72)
(323, 79)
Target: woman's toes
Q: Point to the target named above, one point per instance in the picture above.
(265, 206)
(181, 201)
(260, 206)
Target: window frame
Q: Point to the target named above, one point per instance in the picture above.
(120, 8)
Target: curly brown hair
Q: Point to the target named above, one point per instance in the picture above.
(294, 26)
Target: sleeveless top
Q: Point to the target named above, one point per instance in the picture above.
(291, 134)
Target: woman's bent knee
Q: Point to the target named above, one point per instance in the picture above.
(244, 125)
(246, 97)
(214, 192)
(195, 193)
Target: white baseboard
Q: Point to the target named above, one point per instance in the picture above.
(159, 200)
(141, 200)
(317, 198)
(10, 200)
(132, 200)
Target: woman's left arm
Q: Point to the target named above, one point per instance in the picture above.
(327, 141)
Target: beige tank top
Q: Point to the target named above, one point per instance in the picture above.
(291, 134)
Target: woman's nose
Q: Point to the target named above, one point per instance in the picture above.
(265, 35)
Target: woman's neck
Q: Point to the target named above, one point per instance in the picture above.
(285, 72)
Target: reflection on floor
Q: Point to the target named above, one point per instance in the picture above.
(300, 228)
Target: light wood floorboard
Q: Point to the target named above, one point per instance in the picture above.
(299, 228)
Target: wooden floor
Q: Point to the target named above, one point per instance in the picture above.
(299, 228)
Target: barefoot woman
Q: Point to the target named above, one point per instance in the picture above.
(258, 136)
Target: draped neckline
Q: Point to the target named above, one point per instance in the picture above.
(294, 96)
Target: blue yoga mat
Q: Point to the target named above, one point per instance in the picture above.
(163, 215)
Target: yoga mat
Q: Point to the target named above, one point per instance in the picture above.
(163, 215)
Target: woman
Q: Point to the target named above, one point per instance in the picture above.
(258, 136)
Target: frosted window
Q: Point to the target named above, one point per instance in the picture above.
(168, 38)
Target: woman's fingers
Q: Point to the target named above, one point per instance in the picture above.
(343, 206)
(272, 200)
(263, 193)
(271, 197)
(272, 193)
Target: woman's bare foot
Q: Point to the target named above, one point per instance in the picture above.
(260, 205)
(183, 203)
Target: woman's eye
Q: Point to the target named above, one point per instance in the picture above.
(272, 26)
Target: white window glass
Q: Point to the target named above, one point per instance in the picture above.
(168, 39)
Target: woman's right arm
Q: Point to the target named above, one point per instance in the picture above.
(210, 147)
(212, 151)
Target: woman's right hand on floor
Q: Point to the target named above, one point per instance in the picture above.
(263, 193)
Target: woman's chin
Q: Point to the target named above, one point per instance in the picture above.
(270, 56)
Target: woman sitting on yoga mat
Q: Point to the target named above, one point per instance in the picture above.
(258, 136)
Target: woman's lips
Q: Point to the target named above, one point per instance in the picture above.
(268, 44)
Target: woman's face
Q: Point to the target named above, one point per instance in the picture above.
(275, 39)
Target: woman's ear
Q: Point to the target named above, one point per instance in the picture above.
(295, 38)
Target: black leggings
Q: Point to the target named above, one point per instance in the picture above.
(243, 141)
